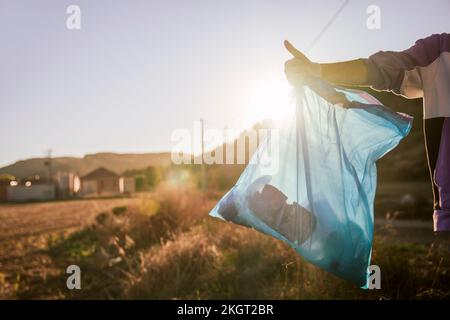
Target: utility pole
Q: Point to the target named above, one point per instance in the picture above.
(202, 172)
(224, 144)
(48, 163)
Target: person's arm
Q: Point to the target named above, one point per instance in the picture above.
(395, 71)
(300, 70)
(359, 72)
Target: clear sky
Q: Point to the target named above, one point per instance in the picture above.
(137, 70)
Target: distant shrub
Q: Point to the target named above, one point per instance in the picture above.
(118, 211)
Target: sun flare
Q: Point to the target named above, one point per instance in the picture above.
(267, 99)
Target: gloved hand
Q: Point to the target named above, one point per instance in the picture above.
(302, 71)
(299, 68)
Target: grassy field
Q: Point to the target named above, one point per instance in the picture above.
(165, 246)
(25, 230)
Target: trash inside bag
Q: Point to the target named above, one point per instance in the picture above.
(320, 198)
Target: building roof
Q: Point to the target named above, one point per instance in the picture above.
(100, 173)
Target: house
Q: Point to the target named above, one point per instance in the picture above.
(101, 182)
(68, 184)
(31, 190)
(128, 185)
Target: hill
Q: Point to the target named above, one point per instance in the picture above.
(113, 161)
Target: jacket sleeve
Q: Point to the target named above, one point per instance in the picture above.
(399, 72)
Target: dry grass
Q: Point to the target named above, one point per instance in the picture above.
(18, 220)
(25, 230)
(217, 261)
(166, 247)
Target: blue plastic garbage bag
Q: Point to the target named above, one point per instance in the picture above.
(320, 198)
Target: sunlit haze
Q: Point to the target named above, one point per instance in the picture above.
(137, 71)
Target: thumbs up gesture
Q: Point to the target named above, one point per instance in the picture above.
(300, 71)
(299, 67)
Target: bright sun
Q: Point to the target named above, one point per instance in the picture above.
(266, 99)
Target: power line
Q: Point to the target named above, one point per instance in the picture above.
(325, 28)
